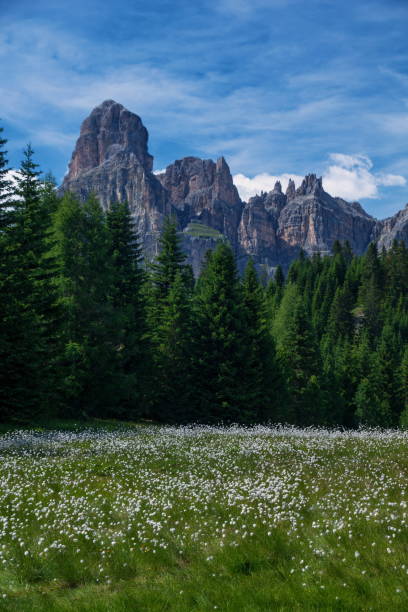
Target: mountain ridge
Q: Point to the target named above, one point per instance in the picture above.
(111, 159)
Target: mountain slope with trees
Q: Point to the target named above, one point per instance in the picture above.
(88, 329)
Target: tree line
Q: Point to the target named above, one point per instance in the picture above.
(89, 330)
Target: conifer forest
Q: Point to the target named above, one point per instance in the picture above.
(88, 329)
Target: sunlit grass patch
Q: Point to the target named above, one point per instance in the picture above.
(202, 231)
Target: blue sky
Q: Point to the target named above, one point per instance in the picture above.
(279, 87)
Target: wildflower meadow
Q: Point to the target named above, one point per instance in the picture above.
(203, 518)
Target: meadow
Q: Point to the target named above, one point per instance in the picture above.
(203, 518)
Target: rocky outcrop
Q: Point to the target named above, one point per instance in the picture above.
(109, 129)
(202, 190)
(312, 220)
(258, 225)
(274, 227)
(392, 228)
(111, 159)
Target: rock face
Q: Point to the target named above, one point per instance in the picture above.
(109, 129)
(274, 227)
(312, 220)
(201, 190)
(393, 228)
(111, 159)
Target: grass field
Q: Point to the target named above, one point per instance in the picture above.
(148, 518)
(201, 230)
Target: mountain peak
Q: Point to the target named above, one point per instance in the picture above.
(291, 190)
(310, 185)
(109, 129)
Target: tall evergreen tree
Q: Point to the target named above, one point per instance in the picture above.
(173, 364)
(371, 289)
(27, 370)
(129, 312)
(219, 355)
(260, 371)
(299, 352)
(168, 318)
(5, 186)
(169, 261)
(84, 283)
(403, 389)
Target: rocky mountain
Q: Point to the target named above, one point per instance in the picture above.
(392, 228)
(111, 159)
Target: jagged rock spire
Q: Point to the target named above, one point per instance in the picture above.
(310, 185)
(291, 190)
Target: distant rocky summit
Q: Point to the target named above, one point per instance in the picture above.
(111, 159)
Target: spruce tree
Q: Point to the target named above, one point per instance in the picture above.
(129, 312)
(5, 186)
(26, 365)
(299, 352)
(260, 369)
(84, 284)
(168, 304)
(173, 372)
(219, 352)
(169, 261)
(371, 290)
(403, 389)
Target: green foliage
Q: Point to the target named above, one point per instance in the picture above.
(86, 330)
(202, 231)
(260, 371)
(84, 283)
(27, 315)
(169, 261)
(132, 355)
(219, 349)
(173, 355)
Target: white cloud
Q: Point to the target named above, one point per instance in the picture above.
(391, 180)
(11, 176)
(346, 176)
(351, 161)
(248, 187)
(351, 177)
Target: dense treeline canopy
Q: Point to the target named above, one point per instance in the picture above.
(87, 329)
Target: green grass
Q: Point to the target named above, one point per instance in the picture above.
(201, 230)
(139, 517)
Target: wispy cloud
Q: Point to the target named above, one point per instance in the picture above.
(274, 85)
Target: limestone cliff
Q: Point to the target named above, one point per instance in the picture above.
(392, 228)
(111, 159)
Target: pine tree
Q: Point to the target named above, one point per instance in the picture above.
(129, 312)
(298, 350)
(5, 187)
(173, 355)
(219, 352)
(403, 389)
(84, 283)
(264, 384)
(26, 365)
(371, 289)
(169, 262)
(340, 322)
